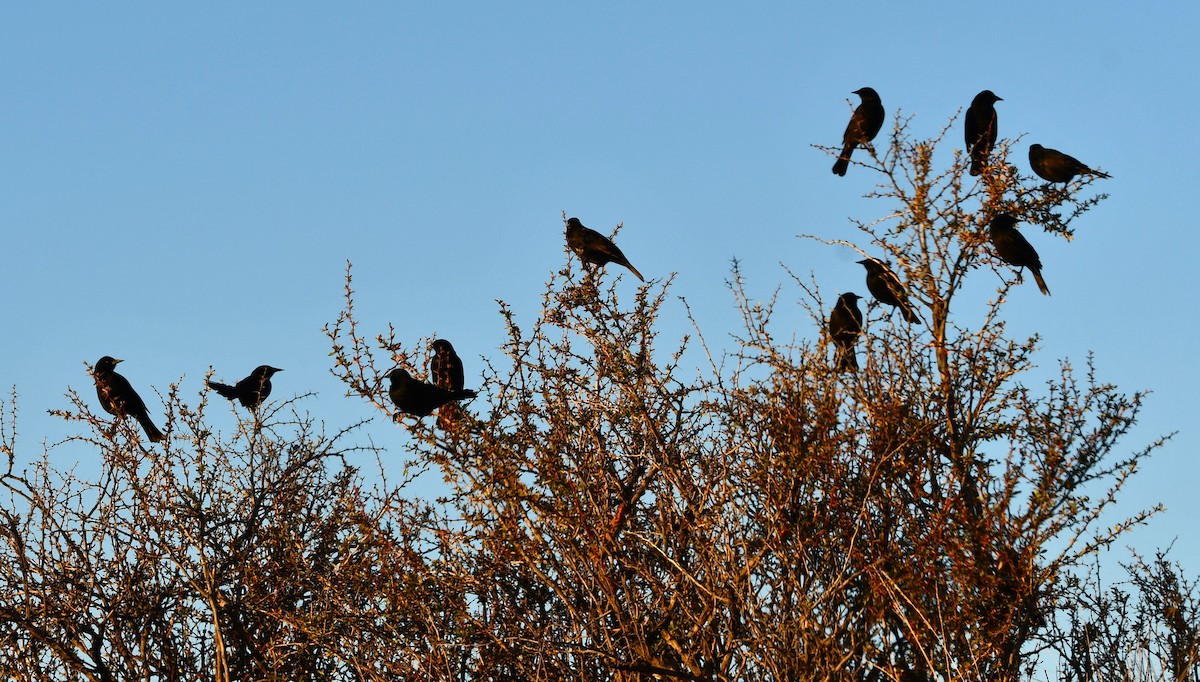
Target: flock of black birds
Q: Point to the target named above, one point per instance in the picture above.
(419, 398)
(979, 134)
(412, 396)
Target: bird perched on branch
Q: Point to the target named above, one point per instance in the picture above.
(886, 287)
(118, 398)
(1012, 248)
(1054, 166)
(418, 398)
(593, 247)
(864, 125)
(981, 129)
(252, 390)
(845, 325)
(446, 371)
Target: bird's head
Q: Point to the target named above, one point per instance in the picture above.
(1003, 221)
(867, 93)
(266, 370)
(441, 346)
(399, 374)
(573, 224)
(106, 364)
(870, 263)
(850, 297)
(988, 97)
(1036, 149)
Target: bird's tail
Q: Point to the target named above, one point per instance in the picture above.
(910, 315)
(634, 271)
(448, 416)
(1099, 174)
(464, 394)
(977, 164)
(843, 161)
(1037, 275)
(845, 359)
(224, 390)
(148, 426)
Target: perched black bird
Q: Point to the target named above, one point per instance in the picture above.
(446, 371)
(886, 287)
(1012, 248)
(418, 398)
(981, 129)
(864, 125)
(252, 390)
(118, 398)
(446, 368)
(845, 324)
(1054, 166)
(593, 247)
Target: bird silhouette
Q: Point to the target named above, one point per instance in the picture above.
(864, 125)
(981, 129)
(1012, 248)
(845, 325)
(118, 398)
(446, 371)
(886, 287)
(593, 247)
(418, 398)
(1054, 166)
(252, 390)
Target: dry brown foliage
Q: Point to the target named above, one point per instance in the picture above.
(620, 507)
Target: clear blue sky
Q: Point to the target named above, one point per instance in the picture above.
(182, 186)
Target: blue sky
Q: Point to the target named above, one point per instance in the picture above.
(182, 186)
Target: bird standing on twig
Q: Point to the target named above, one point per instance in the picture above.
(845, 325)
(118, 398)
(981, 129)
(446, 371)
(252, 390)
(418, 398)
(1054, 166)
(593, 247)
(1012, 248)
(886, 287)
(864, 125)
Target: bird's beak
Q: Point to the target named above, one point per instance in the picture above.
(117, 362)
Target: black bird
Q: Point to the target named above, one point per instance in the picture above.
(864, 125)
(446, 371)
(1012, 248)
(252, 390)
(418, 398)
(593, 247)
(845, 324)
(446, 368)
(1054, 166)
(981, 129)
(886, 287)
(118, 398)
